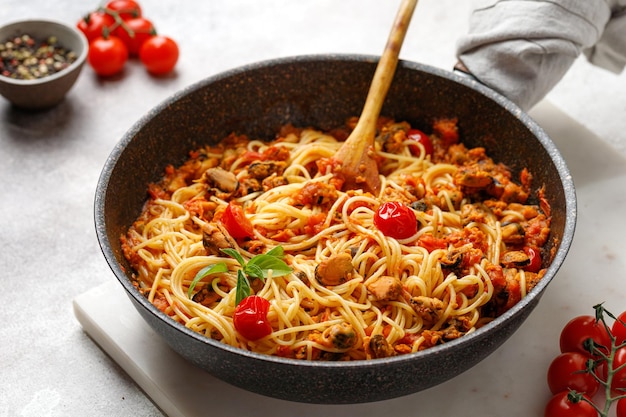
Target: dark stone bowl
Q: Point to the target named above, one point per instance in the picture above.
(323, 91)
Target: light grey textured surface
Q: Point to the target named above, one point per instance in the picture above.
(50, 162)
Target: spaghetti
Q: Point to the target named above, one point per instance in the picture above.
(354, 291)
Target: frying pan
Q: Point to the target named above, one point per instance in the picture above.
(322, 91)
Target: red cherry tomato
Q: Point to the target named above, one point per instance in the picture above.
(94, 23)
(535, 259)
(127, 9)
(619, 329)
(159, 54)
(579, 329)
(620, 410)
(142, 30)
(561, 406)
(395, 220)
(250, 318)
(107, 56)
(567, 372)
(236, 222)
(618, 384)
(422, 138)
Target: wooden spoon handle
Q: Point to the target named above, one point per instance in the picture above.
(366, 126)
(358, 167)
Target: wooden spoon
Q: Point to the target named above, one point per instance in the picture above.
(356, 157)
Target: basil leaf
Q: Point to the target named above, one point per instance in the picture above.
(234, 254)
(276, 251)
(266, 262)
(257, 267)
(254, 271)
(243, 287)
(207, 270)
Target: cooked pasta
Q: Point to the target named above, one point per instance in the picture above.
(449, 243)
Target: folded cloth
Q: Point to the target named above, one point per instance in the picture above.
(522, 48)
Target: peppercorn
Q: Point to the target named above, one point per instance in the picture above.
(23, 58)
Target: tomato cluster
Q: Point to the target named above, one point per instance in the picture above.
(119, 30)
(592, 362)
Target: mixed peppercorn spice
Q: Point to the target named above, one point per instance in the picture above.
(25, 58)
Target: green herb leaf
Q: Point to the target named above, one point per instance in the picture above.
(207, 270)
(266, 262)
(243, 287)
(276, 251)
(254, 271)
(257, 267)
(234, 254)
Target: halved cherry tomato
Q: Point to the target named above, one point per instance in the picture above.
(421, 138)
(107, 56)
(236, 222)
(619, 329)
(568, 372)
(142, 30)
(159, 54)
(94, 23)
(395, 220)
(127, 9)
(535, 259)
(250, 318)
(579, 329)
(560, 405)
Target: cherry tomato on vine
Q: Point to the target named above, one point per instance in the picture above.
(422, 138)
(561, 406)
(142, 30)
(579, 329)
(127, 9)
(395, 220)
(236, 222)
(159, 54)
(107, 56)
(619, 329)
(535, 259)
(250, 317)
(618, 384)
(620, 410)
(94, 23)
(567, 372)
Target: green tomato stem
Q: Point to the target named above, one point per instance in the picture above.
(610, 372)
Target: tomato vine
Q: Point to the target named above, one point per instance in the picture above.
(118, 30)
(593, 355)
